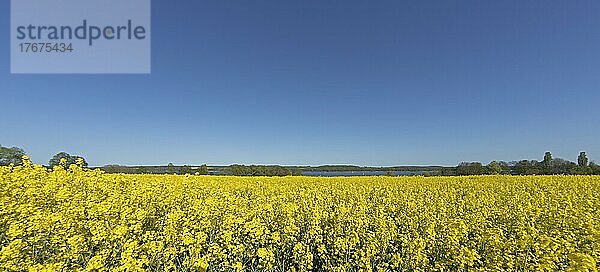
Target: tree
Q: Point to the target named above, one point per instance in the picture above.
(261, 170)
(526, 167)
(203, 170)
(547, 163)
(547, 159)
(65, 160)
(185, 170)
(470, 168)
(582, 160)
(494, 168)
(594, 168)
(11, 155)
(560, 166)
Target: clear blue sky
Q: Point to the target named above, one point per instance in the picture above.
(324, 82)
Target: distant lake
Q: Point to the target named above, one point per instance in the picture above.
(360, 173)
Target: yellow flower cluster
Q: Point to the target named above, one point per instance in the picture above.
(82, 220)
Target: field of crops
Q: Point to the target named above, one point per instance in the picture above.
(85, 220)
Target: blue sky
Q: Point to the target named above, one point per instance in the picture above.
(327, 82)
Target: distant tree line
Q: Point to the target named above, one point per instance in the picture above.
(349, 168)
(262, 170)
(169, 169)
(235, 170)
(548, 166)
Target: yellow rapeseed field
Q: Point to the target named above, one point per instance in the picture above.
(83, 220)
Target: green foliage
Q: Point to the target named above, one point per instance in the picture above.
(261, 170)
(525, 167)
(594, 168)
(65, 160)
(11, 155)
(203, 170)
(547, 159)
(183, 170)
(350, 168)
(582, 160)
(494, 168)
(560, 166)
(470, 168)
(548, 166)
